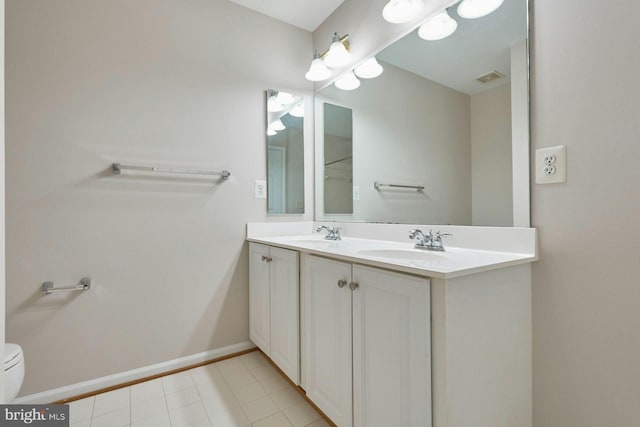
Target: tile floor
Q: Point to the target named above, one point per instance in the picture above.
(242, 391)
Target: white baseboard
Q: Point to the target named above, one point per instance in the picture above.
(68, 391)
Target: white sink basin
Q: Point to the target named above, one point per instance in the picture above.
(314, 241)
(404, 254)
(311, 240)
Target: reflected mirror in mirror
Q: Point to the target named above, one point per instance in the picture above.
(338, 167)
(449, 115)
(285, 153)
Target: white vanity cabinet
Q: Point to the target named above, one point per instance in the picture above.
(366, 336)
(274, 295)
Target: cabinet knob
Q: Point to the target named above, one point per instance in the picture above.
(353, 286)
(342, 283)
(266, 258)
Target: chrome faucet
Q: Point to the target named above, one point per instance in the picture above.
(430, 241)
(333, 233)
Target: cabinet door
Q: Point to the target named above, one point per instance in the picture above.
(285, 320)
(259, 302)
(391, 349)
(327, 335)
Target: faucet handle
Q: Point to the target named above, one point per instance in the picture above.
(336, 233)
(436, 242)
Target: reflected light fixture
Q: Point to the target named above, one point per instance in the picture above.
(338, 55)
(277, 125)
(318, 70)
(401, 11)
(273, 106)
(347, 82)
(285, 98)
(297, 110)
(438, 27)
(472, 9)
(369, 69)
(270, 131)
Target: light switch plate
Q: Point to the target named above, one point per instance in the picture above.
(356, 193)
(551, 165)
(260, 189)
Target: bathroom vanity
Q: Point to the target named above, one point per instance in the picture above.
(378, 333)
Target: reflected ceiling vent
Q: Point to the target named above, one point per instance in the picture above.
(489, 77)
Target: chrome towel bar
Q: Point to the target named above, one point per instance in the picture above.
(377, 186)
(118, 167)
(84, 285)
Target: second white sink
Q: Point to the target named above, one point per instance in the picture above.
(405, 254)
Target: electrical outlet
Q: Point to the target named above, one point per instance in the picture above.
(551, 164)
(260, 189)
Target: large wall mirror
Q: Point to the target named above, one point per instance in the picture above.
(440, 137)
(285, 153)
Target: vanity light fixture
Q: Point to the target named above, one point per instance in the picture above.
(438, 27)
(318, 70)
(401, 11)
(297, 110)
(472, 9)
(338, 55)
(369, 69)
(347, 82)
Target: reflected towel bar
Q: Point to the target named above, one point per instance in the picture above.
(84, 285)
(118, 167)
(377, 186)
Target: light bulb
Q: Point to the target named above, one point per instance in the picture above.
(297, 111)
(285, 98)
(400, 11)
(472, 9)
(338, 54)
(318, 70)
(369, 69)
(273, 106)
(348, 82)
(438, 27)
(278, 125)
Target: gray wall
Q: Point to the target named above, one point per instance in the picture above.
(178, 83)
(586, 290)
(491, 181)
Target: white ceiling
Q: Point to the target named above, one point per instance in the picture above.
(306, 14)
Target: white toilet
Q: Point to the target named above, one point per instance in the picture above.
(13, 371)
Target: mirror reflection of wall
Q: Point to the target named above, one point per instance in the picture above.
(285, 153)
(429, 121)
(338, 164)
